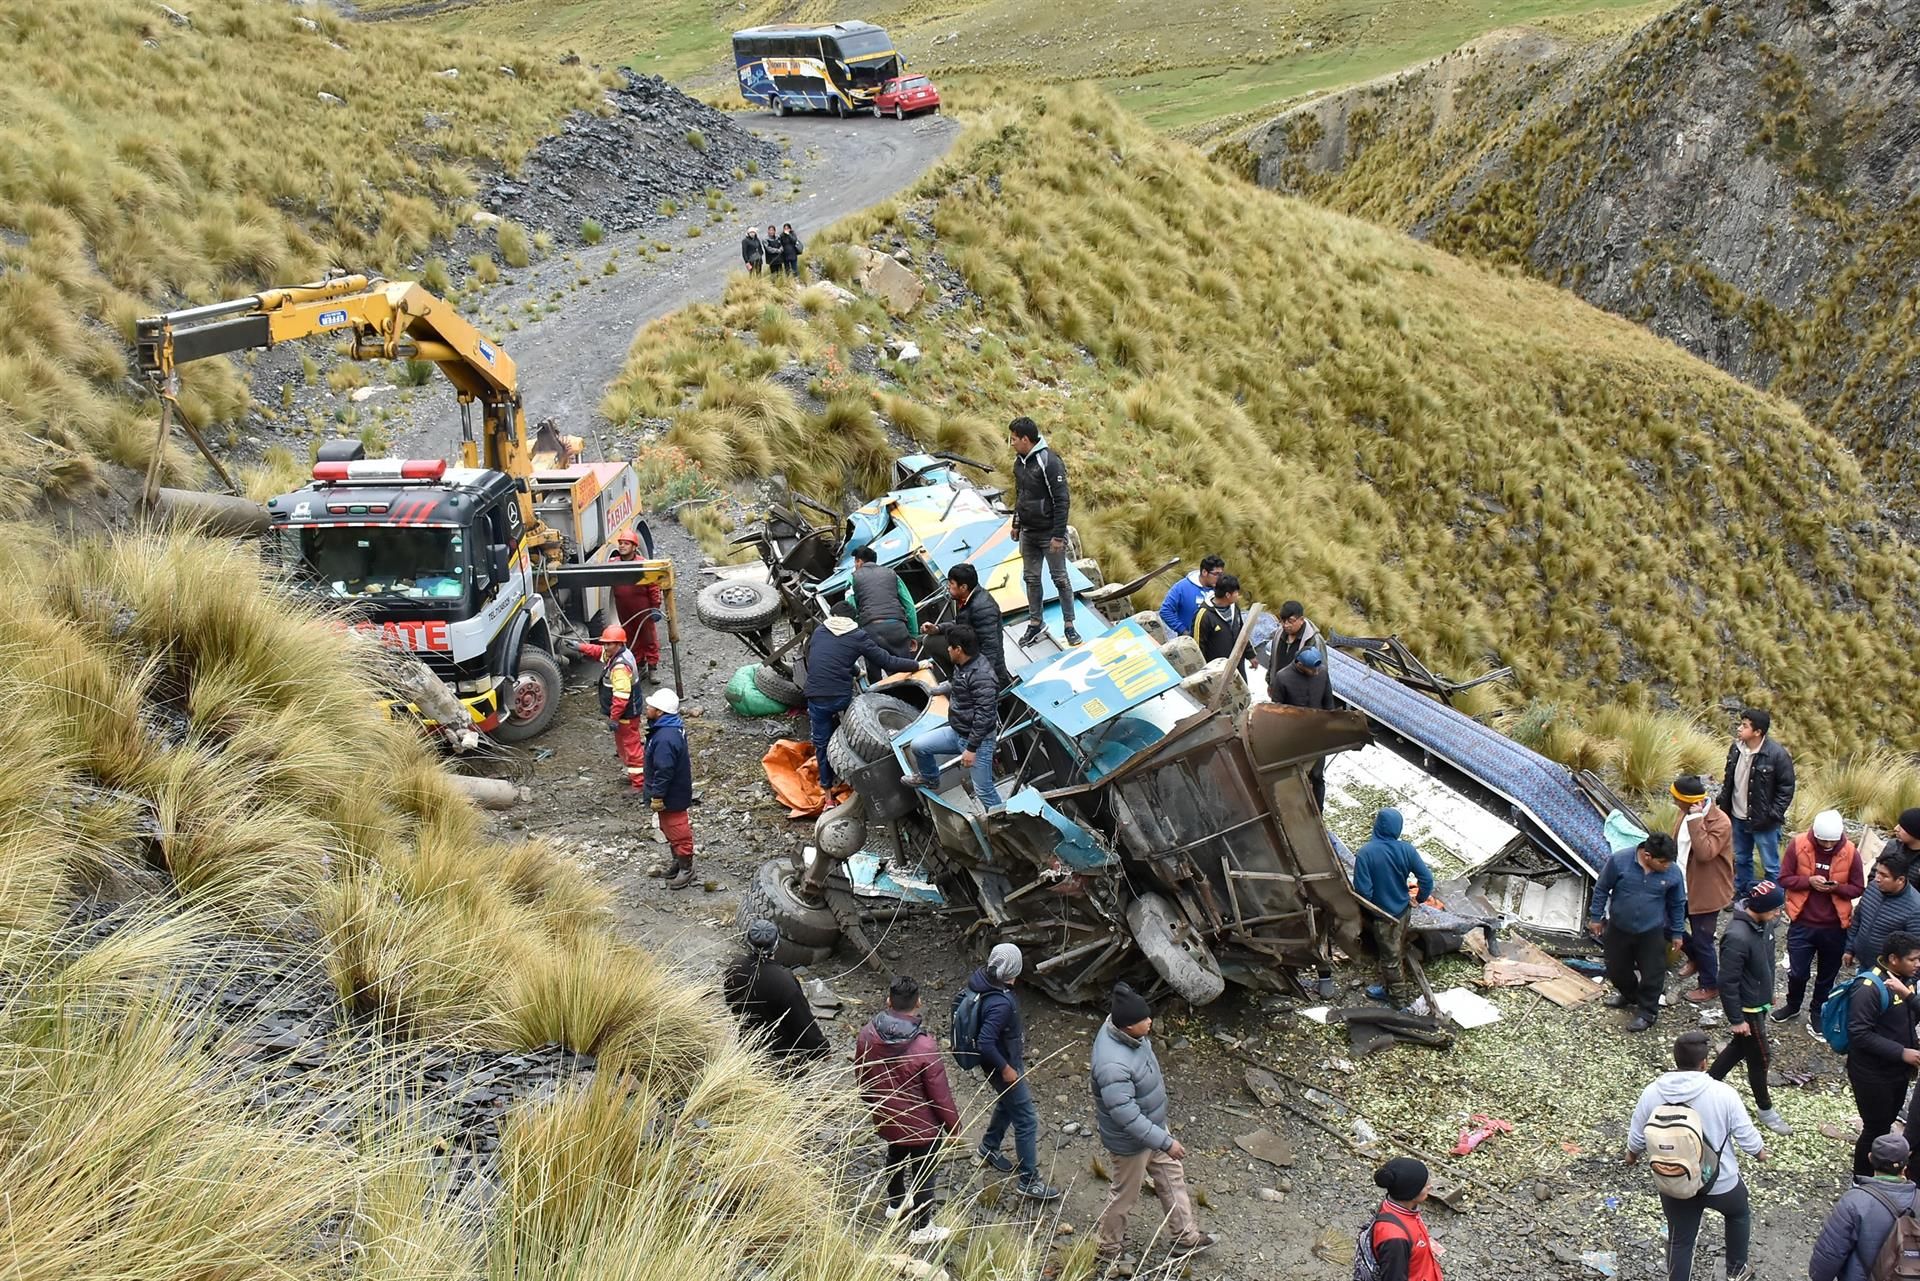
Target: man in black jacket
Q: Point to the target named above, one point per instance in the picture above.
(752, 251)
(1217, 626)
(1304, 683)
(973, 720)
(767, 999)
(1756, 792)
(1040, 509)
(1880, 1050)
(790, 248)
(1746, 993)
(978, 610)
(836, 646)
(1296, 633)
(882, 606)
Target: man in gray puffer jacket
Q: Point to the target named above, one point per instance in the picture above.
(1130, 1103)
(1851, 1238)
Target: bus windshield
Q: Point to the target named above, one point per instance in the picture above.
(863, 44)
(381, 562)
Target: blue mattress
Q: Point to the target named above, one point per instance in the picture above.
(1547, 804)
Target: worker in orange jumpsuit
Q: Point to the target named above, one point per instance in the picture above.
(621, 699)
(637, 606)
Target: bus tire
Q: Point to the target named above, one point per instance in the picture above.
(779, 106)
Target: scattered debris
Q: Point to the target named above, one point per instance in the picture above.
(1566, 990)
(878, 274)
(1601, 1261)
(1265, 1145)
(1467, 1009)
(332, 100)
(174, 16)
(1484, 1128)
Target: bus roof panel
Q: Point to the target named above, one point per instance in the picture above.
(808, 29)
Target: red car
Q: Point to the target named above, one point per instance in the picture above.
(905, 94)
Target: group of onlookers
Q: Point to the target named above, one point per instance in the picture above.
(777, 251)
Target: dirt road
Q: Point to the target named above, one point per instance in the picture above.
(567, 354)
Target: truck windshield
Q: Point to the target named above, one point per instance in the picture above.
(379, 562)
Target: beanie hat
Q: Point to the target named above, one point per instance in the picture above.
(1910, 822)
(1005, 962)
(1689, 789)
(1889, 1152)
(664, 699)
(1402, 1178)
(1765, 897)
(1309, 658)
(840, 625)
(1129, 1007)
(763, 935)
(1829, 826)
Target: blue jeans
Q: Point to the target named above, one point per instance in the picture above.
(824, 714)
(1015, 1108)
(1745, 839)
(935, 743)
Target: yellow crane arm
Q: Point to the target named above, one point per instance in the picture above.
(385, 320)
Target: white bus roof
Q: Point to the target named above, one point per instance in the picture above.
(808, 29)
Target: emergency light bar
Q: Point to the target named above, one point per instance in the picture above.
(382, 469)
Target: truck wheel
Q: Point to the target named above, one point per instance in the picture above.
(781, 689)
(772, 894)
(871, 721)
(1178, 956)
(844, 760)
(533, 698)
(737, 607)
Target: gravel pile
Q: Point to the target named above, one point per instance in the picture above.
(617, 169)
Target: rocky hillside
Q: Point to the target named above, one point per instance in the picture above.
(1743, 177)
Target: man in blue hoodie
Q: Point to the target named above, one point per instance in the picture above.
(1003, 1048)
(1380, 871)
(1639, 906)
(1181, 605)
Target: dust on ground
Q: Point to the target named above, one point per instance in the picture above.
(1554, 1191)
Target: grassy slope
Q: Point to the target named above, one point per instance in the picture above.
(144, 164)
(1177, 68)
(1409, 442)
(135, 1147)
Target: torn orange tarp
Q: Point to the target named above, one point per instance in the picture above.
(795, 778)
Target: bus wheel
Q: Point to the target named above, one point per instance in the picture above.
(839, 109)
(779, 106)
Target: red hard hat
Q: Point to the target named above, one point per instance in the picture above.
(614, 634)
(628, 536)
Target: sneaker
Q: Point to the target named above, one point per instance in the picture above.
(1744, 1274)
(1033, 635)
(1786, 1013)
(893, 1211)
(1813, 1030)
(1701, 995)
(1070, 636)
(932, 1234)
(1037, 1190)
(1640, 1023)
(1194, 1244)
(1771, 1118)
(916, 780)
(993, 1160)
(681, 879)
(1376, 993)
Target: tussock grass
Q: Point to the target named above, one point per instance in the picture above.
(1406, 441)
(145, 165)
(202, 750)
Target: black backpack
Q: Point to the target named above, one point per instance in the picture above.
(964, 1037)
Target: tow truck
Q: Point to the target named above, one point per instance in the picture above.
(480, 570)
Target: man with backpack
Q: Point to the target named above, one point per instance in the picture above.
(1130, 1104)
(988, 1034)
(1395, 1246)
(1691, 1128)
(1878, 1039)
(904, 1085)
(1872, 1221)
(1746, 956)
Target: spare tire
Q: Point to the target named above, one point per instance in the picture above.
(770, 894)
(871, 721)
(1178, 955)
(843, 760)
(737, 606)
(781, 689)
(1184, 653)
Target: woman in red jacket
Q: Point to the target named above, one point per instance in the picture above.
(905, 1084)
(1402, 1250)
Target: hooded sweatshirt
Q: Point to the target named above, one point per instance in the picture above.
(1746, 966)
(1382, 865)
(1724, 1124)
(903, 1081)
(1182, 603)
(1003, 1035)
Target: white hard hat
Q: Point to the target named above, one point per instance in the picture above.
(1828, 826)
(664, 699)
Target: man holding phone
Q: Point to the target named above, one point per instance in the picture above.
(1822, 876)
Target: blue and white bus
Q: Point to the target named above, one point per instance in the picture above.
(837, 67)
